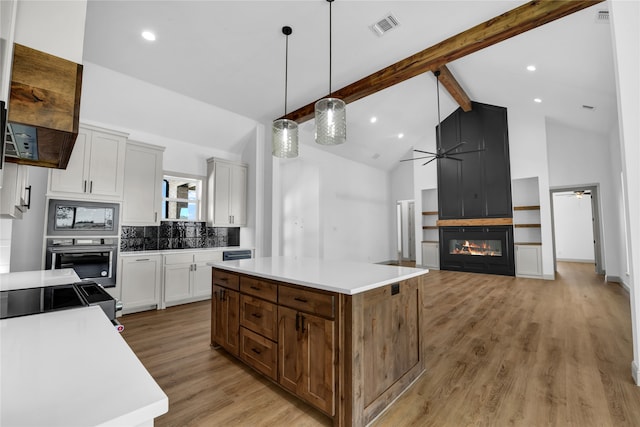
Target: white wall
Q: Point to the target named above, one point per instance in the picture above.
(331, 208)
(593, 167)
(573, 228)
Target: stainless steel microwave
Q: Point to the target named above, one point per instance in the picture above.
(82, 218)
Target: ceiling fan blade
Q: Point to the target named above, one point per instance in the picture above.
(452, 158)
(426, 152)
(416, 158)
(430, 161)
(471, 151)
(454, 147)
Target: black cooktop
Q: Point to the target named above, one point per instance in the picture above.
(23, 302)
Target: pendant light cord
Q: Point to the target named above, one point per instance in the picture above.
(330, 51)
(286, 72)
(437, 73)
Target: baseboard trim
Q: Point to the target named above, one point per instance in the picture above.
(585, 261)
(635, 372)
(619, 280)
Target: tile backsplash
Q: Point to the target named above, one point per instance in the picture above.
(177, 235)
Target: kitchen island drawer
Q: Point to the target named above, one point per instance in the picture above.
(259, 288)
(307, 300)
(259, 316)
(225, 279)
(259, 352)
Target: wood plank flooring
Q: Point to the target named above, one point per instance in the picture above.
(502, 351)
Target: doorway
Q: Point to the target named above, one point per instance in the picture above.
(575, 216)
(405, 214)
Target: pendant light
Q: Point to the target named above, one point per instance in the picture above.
(284, 131)
(331, 113)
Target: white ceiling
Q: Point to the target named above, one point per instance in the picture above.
(231, 54)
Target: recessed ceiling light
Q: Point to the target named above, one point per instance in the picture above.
(531, 67)
(401, 135)
(148, 35)
(538, 100)
(373, 119)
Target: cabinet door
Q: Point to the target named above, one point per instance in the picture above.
(221, 193)
(143, 176)
(73, 178)
(288, 349)
(225, 319)
(201, 279)
(177, 284)
(528, 260)
(317, 355)
(106, 165)
(140, 281)
(13, 196)
(238, 195)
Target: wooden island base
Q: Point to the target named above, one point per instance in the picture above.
(350, 356)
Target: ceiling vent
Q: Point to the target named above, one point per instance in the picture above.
(602, 16)
(386, 24)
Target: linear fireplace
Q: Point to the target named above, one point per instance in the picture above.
(487, 249)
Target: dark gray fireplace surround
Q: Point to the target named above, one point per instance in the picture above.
(474, 191)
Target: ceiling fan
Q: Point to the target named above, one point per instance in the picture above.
(441, 154)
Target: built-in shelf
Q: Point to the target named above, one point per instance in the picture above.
(526, 208)
(528, 243)
(430, 213)
(429, 227)
(430, 241)
(527, 225)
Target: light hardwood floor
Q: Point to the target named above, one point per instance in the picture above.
(502, 351)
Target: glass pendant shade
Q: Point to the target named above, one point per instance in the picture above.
(284, 139)
(331, 121)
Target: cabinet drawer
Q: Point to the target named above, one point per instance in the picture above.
(171, 259)
(259, 288)
(259, 352)
(207, 256)
(259, 316)
(225, 278)
(307, 300)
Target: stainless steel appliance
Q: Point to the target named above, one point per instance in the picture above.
(91, 258)
(28, 301)
(82, 218)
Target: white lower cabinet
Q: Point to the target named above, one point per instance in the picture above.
(140, 279)
(528, 260)
(431, 255)
(187, 277)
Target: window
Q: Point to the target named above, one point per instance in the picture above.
(181, 198)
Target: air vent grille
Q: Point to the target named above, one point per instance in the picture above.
(386, 24)
(602, 16)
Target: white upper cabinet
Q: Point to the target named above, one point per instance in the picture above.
(142, 203)
(227, 193)
(15, 195)
(95, 169)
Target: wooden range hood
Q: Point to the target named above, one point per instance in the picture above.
(45, 101)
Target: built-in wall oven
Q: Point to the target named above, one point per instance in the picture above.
(83, 235)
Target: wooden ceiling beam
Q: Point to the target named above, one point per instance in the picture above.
(516, 21)
(453, 87)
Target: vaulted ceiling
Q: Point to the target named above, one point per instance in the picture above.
(231, 54)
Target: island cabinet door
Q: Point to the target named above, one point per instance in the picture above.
(225, 319)
(306, 346)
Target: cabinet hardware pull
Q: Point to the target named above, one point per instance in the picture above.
(28, 205)
(195, 267)
(302, 323)
(257, 315)
(224, 279)
(297, 321)
(143, 259)
(255, 288)
(300, 299)
(222, 295)
(256, 351)
(84, 186)
(155, 217)
(91, 186)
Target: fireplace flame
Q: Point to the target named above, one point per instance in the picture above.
(476, 247)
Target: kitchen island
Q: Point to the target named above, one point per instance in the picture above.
(342, 336)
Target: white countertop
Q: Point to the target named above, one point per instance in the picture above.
(37, 279)
(345, 277)
(71, 368)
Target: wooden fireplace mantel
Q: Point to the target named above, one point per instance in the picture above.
(473, 222)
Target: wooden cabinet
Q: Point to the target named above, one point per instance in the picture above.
(227, 193)
(140, 278)
(15, 194)
(142, 198)
(225, 312)
(306, 351)
(95, 169)
(187, 277)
